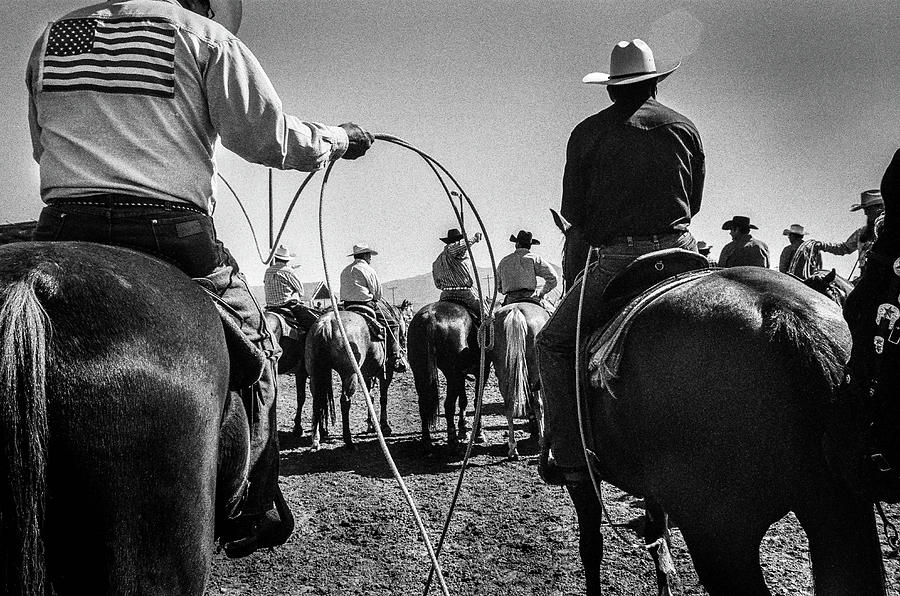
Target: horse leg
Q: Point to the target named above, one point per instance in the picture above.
(370, 422)
(658, 541)
(511, 433)
(590, 539)
(726, 555)
(843, 543)
(347, 390)
(301, 399)
(383, 385)
(449, 407)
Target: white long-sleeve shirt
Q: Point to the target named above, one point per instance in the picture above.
(130, 97)
(359, 282)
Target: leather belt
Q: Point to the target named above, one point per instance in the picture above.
(115, 200)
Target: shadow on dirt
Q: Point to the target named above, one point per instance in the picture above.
(367, 459)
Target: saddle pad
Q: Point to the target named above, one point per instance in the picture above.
(606, 342)
(287, 330)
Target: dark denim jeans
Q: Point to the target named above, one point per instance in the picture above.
(556, 342)
(188, 240)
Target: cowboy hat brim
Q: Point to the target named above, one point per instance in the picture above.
(787, 232)
(363, 252)
(859, 207)
(602, 78)
(451, 239)
(513, 238)
(730, 224)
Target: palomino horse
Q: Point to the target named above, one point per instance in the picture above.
(730, 440)
(121, 443)
(443, 336)
(515, 364)
(325, 351)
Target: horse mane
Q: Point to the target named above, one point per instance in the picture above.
(810, 345)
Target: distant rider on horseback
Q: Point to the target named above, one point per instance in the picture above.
(518, 271)
(633, 179)
(127, 101)
(360, 287)
(284, 290)
(451, 275)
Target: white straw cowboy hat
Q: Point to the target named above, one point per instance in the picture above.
(795, 229)
(362, 249)
(282, 253)
(868, 198)
(227, 13)
(630, 62)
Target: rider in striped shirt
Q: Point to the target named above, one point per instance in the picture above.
(451, 273)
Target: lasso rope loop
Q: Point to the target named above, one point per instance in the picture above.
(369, 405)
(439, 171)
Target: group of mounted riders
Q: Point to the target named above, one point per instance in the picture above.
(126, 155)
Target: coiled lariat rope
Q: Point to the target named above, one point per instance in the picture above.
(439, 171)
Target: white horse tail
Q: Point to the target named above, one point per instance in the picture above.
(515, 330)
(24, 330)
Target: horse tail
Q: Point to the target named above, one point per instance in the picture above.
(423, 363)
(24, 331)
(318, 365)
(809, 345)
(515, 330)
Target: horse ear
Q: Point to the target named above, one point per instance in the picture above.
(830, 277)
(560, 221)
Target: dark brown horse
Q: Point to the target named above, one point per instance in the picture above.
(443, 337)
(121, 445)
(325, 351)
(292, 361)
(831, 284)
(728, 440)
(515, 363)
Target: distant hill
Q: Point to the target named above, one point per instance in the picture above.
(420, 290)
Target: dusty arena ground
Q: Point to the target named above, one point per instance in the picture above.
(511, 534)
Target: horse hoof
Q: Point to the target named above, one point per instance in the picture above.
(386, 430)
(314, 447)
(298, 431)
(479, 438)
(370, 429)
(463, 434)
(514, 456)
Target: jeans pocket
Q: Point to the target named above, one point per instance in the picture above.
(50, 224)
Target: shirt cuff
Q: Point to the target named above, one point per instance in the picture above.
(339, 141)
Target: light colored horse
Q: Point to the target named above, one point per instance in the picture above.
(515, 363)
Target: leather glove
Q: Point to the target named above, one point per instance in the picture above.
(360, 140)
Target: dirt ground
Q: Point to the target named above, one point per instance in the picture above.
(511, 534)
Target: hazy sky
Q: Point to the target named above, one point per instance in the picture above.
(796, 102)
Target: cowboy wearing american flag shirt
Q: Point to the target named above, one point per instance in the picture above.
(127, 101)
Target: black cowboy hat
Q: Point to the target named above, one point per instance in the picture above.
(738, 221)
(453, 234)
(524, 238)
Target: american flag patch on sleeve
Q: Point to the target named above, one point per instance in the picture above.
(124, 55)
